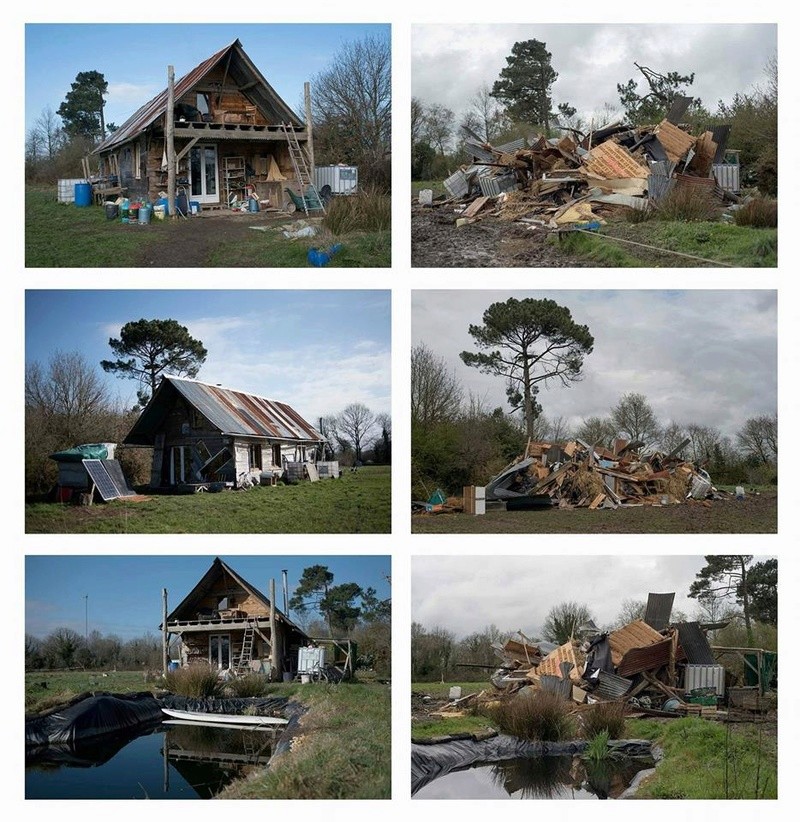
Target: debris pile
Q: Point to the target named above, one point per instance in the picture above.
(653, 666)
(559, 183)
(578, 475)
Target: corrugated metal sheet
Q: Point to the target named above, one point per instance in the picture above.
(659, 609)
(493, 186)
(556, 685)
(705, 676)
(695, 644)
(645, 659)
(457, 185)
(727, 177)
(510, 148)
(636, 634)
(234, 412)
(611, 686)
(152, 110)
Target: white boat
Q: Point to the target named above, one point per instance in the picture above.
(224, 719)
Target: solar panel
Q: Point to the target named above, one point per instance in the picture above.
(115, 472)
(105, 483)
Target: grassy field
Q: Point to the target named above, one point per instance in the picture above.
(344, 751)
(45, 689)
(355, 503)
(754, 515)
(62, 235)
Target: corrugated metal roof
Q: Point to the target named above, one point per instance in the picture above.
(636, 634)
(235, 412)
(611, 686)
(695, 644)
(152, 110)
(659, 610)
(647, 658)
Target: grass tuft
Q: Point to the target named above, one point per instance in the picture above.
(597, 750)
(604, 718)
(365, 211)
(539, 716)
(248, 686)
(197, 681)
(687, 204)
(759, 212)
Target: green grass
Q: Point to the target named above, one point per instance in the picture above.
(344, 751)
(709, 760)
(355, 503)
(437, 186)
(721, 243)
(441, 690)
(45, 689)
(447, 726)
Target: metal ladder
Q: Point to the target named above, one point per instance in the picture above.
(308, 191)
(243, 663)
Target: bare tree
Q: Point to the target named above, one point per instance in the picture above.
(758, 438)
(439, 124)
(355, 424)
(48, 127)
(436, 393)
(596, 431)
(353, 107)
(634, 417)
(559, 429)
(488, 114)
(417, 119)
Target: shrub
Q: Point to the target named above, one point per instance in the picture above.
(365, 211)
(604, 717)
(687, 204)
(760, 212)
(196, 681)
(249, 685)
(540, 715)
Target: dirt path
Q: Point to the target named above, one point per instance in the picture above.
(487, 243)
(192, 241)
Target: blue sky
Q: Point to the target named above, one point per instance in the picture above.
(319, 351)
(125, 591)
(133, 58)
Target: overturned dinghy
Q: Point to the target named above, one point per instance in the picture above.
(204, 717)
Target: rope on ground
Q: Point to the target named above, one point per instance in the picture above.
(654, 248)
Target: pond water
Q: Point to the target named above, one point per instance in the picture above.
(169, 761)
(544, 777)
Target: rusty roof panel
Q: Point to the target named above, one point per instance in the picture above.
(636, 634)
(648, 658)
(234, 412)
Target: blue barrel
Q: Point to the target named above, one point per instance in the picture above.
(163, 201)
(83, 194)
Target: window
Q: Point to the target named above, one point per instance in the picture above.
(195, 418)
(137, 161)
(276, 456)
(202, 103)
(219, 650)
(254, 455)
(180, 464)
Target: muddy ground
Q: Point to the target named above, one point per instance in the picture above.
(488, 243)
(193, 240)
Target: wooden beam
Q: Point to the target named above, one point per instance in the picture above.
(170, 139)
(309, 128)
(274, 662)
(164, 634)
(185, 150)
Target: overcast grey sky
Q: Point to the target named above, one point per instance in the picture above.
(467, 593)
(705, 357)
(449, 63)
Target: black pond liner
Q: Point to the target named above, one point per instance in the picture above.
(429, 762)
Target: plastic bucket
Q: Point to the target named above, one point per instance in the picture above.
(83, 194)
(164, 203)
(159, 211)
(194, 206)
(305, 678)
(112, 211)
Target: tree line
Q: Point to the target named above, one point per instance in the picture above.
(520, 103)
(730, 589)
(351, 112)
(530, 344)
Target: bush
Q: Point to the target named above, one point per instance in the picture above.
(541, 715)
(196, 681)
(249, 685)
(604, 717)
(687, 204)
(365, 211)
(760, 212)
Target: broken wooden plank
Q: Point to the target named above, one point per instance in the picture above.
(475, 207)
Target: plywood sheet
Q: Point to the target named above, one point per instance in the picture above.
(611, 161)
(674, 140)
(636, 634)
(567, 652)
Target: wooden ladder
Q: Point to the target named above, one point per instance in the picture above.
(245, 657)
(308, 191)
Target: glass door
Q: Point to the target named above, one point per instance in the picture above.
(204, 174)
(219, 650)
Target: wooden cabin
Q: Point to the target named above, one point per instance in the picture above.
(229, 136)
(227, 622)
(203, 434)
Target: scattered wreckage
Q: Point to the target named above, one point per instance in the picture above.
(651, 666)
(576, 181)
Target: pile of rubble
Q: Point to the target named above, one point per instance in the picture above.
(655, 667)
(578, 475)
(576, 180)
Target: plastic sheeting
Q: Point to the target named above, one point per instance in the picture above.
(429, 762)
(263, 705)
(93, 717)
(93, 451)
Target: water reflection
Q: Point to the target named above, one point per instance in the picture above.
(548, 777)
(168, 761)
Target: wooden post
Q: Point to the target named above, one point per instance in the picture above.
(170, 138)
(673, 653)
(164, 634)
(309, 128)
(273, 645)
